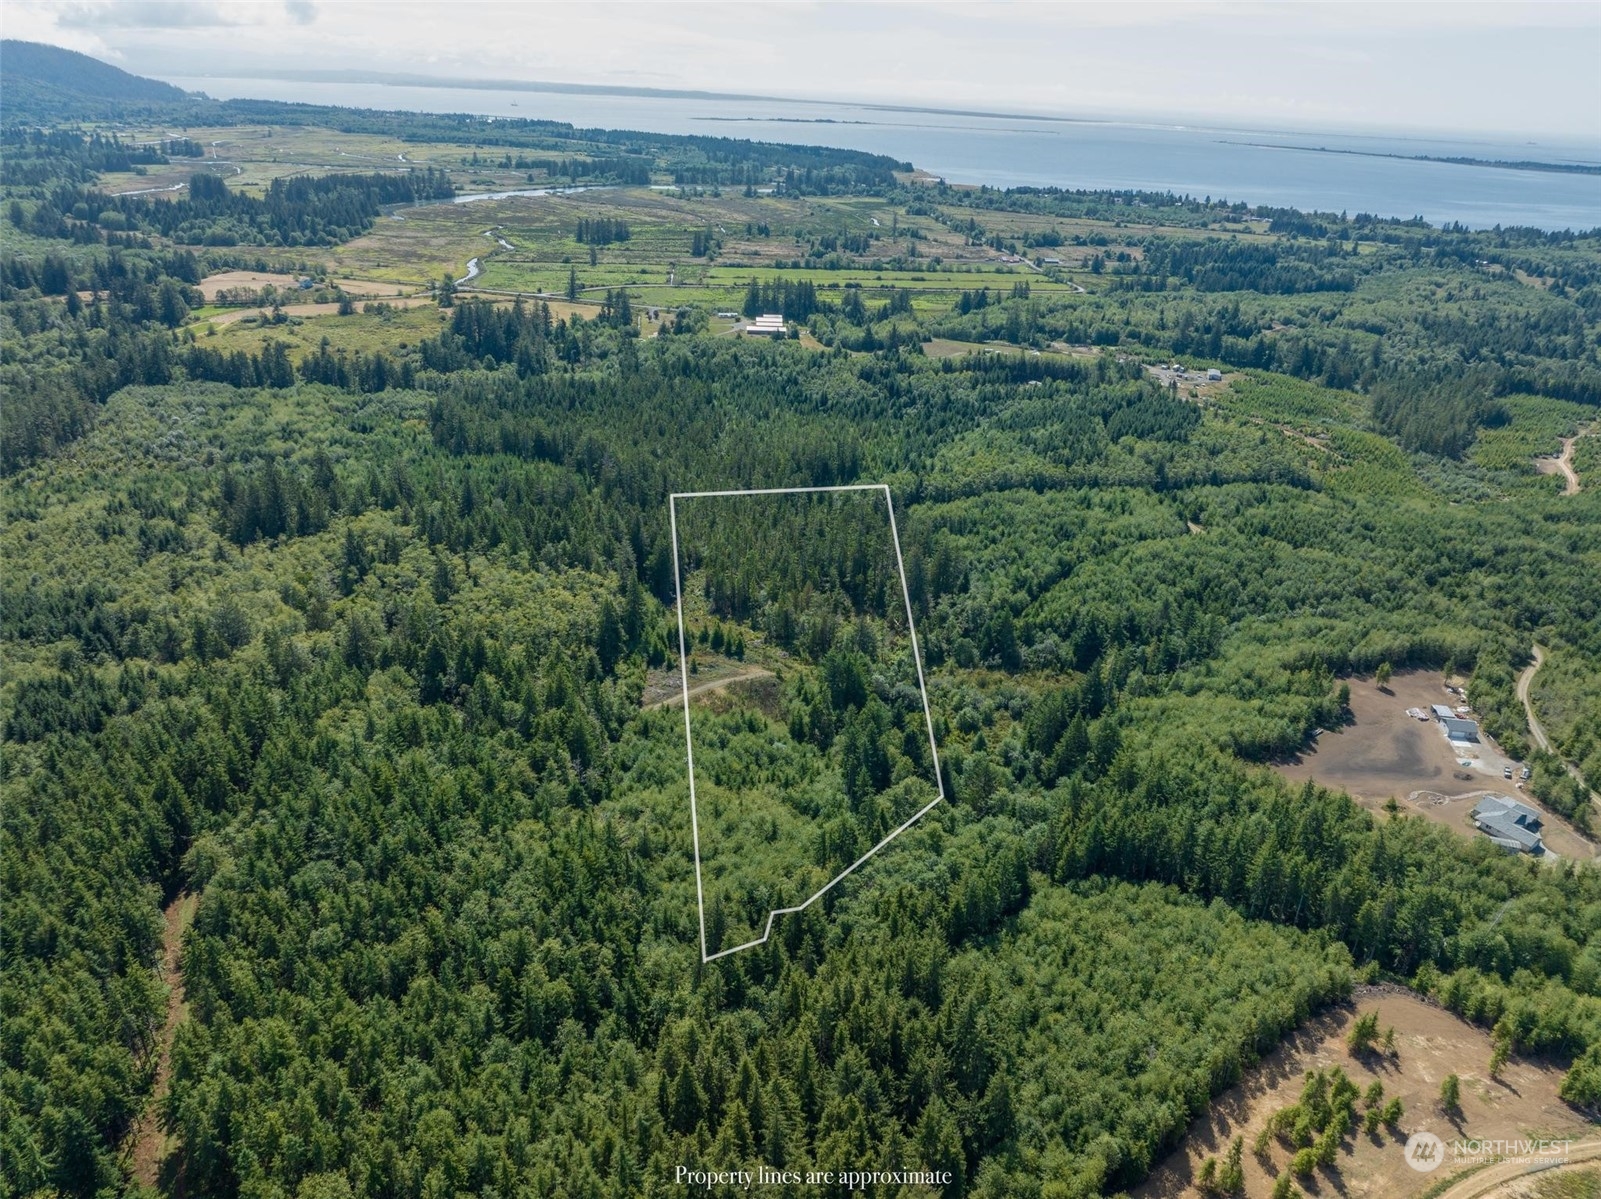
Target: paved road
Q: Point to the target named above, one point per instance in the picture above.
(1486, 1182)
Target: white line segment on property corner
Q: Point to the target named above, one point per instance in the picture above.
(689, 741)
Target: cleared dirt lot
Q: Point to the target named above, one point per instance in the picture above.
(1432, 1044)
(251, 280)
(1190, 381)
(1385, 753)
(712, 673)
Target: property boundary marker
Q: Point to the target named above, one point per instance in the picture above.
(689, 740)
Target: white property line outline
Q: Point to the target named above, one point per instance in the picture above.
(689, 740)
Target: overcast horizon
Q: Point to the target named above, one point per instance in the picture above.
(1488, 69)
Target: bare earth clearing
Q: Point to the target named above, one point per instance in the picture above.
(1190, 381)
(713, 672)
(1432, 1044)
(1385, 753)
(211, 285)
(696, 690)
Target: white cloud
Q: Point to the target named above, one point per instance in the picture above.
(1490, 67)
(145, 14)
(99, 16)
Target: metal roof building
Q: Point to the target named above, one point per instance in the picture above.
(1460, 730)
(1513, 826)
(770, 323)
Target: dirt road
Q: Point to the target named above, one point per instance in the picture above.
(146, 1145)
(752, 672)
(1525, 683)
(1489, 1181)
(1525, 680)
(1563, 463)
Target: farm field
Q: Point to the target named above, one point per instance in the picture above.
(251, 156)
(528, 244)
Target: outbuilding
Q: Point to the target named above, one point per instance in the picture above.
(1460, 730)
(769, 323)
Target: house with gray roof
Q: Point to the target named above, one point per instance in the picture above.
(1514, 826)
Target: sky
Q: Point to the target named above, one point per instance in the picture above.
(1527, 68)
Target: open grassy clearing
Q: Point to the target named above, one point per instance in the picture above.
(418, 246)
(359, 332)
(399, 326)
(265, 152)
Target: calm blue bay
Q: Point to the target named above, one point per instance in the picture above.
(1256, 166)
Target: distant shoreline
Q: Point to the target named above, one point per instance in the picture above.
(785, 120)
(1500, 164)
(448, 83)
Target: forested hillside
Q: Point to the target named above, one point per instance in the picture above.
(56, 84)
(350, 637)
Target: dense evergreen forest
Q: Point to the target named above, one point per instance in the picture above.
(356, 648)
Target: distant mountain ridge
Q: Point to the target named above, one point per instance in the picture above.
(47, 82)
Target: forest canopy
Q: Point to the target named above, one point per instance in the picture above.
(352, 630)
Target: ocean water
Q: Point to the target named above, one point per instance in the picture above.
(1258, 166)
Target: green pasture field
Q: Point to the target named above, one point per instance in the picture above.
(417, 246)
(267, 152)
(359, 332)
